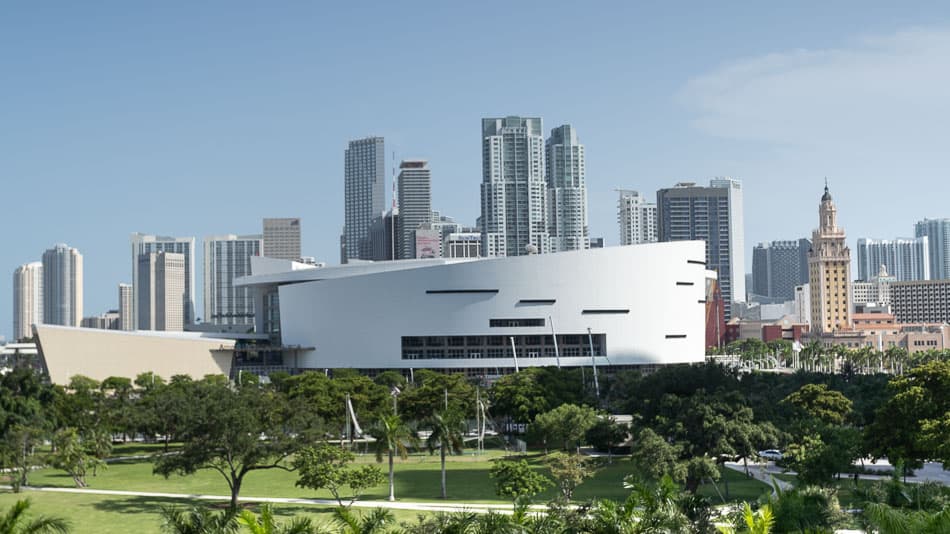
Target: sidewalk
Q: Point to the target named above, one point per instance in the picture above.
(396, 505)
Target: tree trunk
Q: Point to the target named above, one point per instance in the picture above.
(392, 485)
(443, 471)
(235, 491)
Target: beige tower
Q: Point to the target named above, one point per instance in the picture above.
(829, 272)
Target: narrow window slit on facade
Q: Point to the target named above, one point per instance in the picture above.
(605, 312)
(537, 301)
(684, 283)
(451, 291)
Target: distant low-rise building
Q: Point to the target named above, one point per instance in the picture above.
(110, 320)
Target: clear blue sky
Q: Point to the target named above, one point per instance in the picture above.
(200, 118)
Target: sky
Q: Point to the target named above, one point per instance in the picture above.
(201, 118)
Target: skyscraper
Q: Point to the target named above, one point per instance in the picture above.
(567, 190)
(27, 299)
(637, 218)
(905, 259)
(938, 241)
(62, 286)
(282, 238)
(712, 214)
(126, 316)
(161, 291)
(829, 272)
(364, 193)
(147, 244)
(514, 191)
(228, 257)
(415, 203)
(778, 267)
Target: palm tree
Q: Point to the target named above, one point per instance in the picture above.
(392, 436)
(15, 521)
(886, 520)
(197, 520)
(649, 508)
(447, 437)
(759, 522)
(350, 523)
(266, 524)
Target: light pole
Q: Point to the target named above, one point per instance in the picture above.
(514, 352)
(557, 354)
(593, 362)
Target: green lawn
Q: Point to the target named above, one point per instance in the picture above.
(101, 514)
(417, 479)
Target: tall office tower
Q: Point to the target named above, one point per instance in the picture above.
(282, 238)
(126, 315)
(27, 299)
(364, 193)
(381, 235)
(938, 238)
(637, 218)
(829, 272)
(712, 214)
(514, 191)
(147, 244)
(161, 291)
(62, 286)
(228, 257)
(905, 259)
(778, 267)
(414, 188)
(567, 190)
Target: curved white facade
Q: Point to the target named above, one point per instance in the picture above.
(642, 304)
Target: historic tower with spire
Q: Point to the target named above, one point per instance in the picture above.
(829, 272)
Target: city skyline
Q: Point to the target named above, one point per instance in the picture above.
(211, 151)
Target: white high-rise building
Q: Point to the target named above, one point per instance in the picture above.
(62, 286)
(938, 243)
(567, 190)
(905, 259)
(415, 203)
(125, 308)
(161, 295)
(364, 194)
(712, 214)
(513, 189)
(27, 299)
(228, 257)
(637, 218)
(147, 244)
(281, 239)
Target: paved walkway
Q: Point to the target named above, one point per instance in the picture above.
(395, 505)
(761, 473)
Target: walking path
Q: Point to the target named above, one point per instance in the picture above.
(930, 472)
(395, 505)
(761, 473)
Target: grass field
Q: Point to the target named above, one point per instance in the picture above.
(100, 514)
(417, 479)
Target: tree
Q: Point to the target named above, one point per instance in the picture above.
(886, 520)
(436, 393)
(73, 456)
(759, 522)
(445, 435)
(567, 425)
(371, 523)
(516, 480)
(606, 434)
(817, 457)
(18, 452)
(235, 432)
(650, 508)
(653, 457)
(266, 523)
(15, 521)
(197, 520)
(328, 467)
(393, 437)
(816, 401)
(519, 396)
(914, 424)
(569, 471)
(805, 509)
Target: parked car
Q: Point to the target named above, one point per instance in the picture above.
(770, 454)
